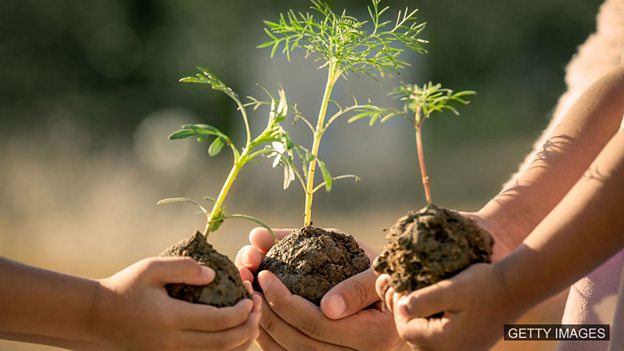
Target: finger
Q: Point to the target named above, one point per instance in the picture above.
(289, 337)
(163, 270)
(246, 275)
(224, 339)
(248, 257)
(266, 342)
(350, 296)
(245, 346)
(390, 298)
(262, 239)
(424, 332)
(382, 284)
(198, 317)
(426, 301)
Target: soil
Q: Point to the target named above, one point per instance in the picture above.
(430, 245)
(311, 260)
(227, 287)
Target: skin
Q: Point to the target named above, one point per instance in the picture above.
(570, 202)
(127, 311)
(343, 321)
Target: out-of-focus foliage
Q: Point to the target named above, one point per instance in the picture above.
(107, 64)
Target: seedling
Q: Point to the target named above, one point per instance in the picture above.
(342, 45)
(272, 139)
(434, 243)
(419, 103)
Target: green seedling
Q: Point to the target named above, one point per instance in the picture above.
(340, 44)
(419, 103)
(270, 141)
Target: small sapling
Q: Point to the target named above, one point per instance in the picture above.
(227, 287)
(311, 260)
(434, 243)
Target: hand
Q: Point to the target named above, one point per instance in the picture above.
(503, 243)
(133, 311)
(473, 315)
(343, 322)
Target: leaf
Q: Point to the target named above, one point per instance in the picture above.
(182, 134)
(215, 147)
(326, 175)
(256, 220)
(359, 116)
(182, 199)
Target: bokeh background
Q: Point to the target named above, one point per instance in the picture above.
(89, 93)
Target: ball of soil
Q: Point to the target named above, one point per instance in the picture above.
(227, 287)
(430, 245)
(310, 261)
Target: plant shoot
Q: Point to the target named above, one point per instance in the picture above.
(271, 140)
(419, 103)
(340, 44)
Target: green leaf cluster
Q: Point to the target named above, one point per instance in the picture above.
(429, 98)
(367, 47)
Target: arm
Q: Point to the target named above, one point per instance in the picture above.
(583, 230)
(585, 130)
(131, 309)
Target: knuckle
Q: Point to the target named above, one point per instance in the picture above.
(311, 328)
(360, 292)
(267, 324)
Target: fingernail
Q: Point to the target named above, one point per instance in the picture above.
(336, 306)
(207, 272)
(264, 281)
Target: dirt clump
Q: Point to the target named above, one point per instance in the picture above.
(310, 261)
(430, 245)
(227, 287)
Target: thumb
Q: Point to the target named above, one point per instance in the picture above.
(350, 296)
(426, 302)
(165, 270)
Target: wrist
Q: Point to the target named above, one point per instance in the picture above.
(102, 327)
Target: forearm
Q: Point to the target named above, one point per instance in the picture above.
(42, 303)
(585, 229)
(584, 131)
(54, 341)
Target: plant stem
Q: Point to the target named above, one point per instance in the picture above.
(421, 157)
(332, 75)
(217, 213)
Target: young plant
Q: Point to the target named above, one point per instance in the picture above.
(271, 140)
(434, 243)
(340, 44)
(227, 287)
(419, 103)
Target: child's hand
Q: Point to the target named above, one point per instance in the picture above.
(133, 311)
(475, 305)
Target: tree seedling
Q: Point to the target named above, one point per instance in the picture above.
(340, 44)
(434, 243)
(227, 288)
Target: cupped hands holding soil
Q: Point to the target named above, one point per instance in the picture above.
(311, 260)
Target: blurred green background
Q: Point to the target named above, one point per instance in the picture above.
(89, 93)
